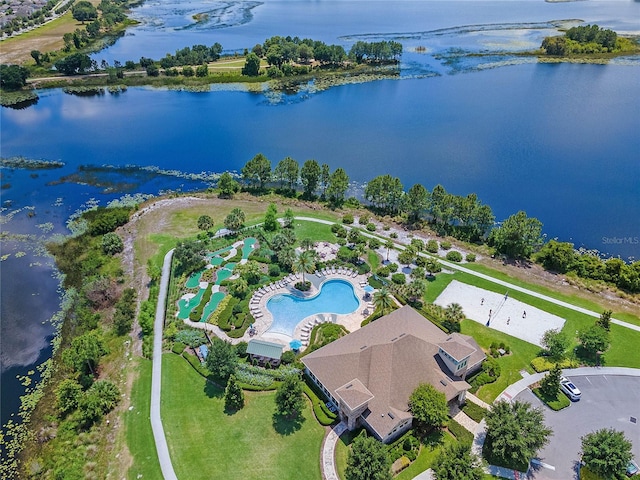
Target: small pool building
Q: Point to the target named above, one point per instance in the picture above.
(265, 352)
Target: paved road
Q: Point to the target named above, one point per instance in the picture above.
(608, 401)
(156, 377)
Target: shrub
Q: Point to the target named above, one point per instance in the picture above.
(474, 411)
(471, 257)
(411, 455)
(303, 286)
(404, 462)
(321, 411)
(288, 357)
(383, 272)
(399, 278)
(454, 256)
(544, 364)
(341, 241)
(393, 267)
(363, 220)
(274, 270)
(432, 246)
(241, 349)
(112, 243)
(393, 235)
(364, 268)
(462, 434)
(374, 243)
(178, 348)
(445, 245)
(347, 218)
(371, 227)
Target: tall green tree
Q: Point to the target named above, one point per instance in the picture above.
(515, 432)
(518, 236)
(271, 218)
(550, 384)
(325, 177)
(456, 462)
(606, 452)
(101, 398)
(555, 343)
(338, 185)
(13, 77)
(233, 395)
(385, 192)
(428, 406)
(388, 244)
(257, 171)
(221, 359)
(289, 397)
(251, 66)
(227, 185)
(189, 256)
(85, 352)
(68, 395)
(287, 171)
(593, 340)
(415, 202)
(84, 11)
(368, 460)
(605, 320)
(310, 177)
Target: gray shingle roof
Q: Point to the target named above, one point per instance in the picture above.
(390, 357)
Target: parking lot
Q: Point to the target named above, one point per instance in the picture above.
(607, 402)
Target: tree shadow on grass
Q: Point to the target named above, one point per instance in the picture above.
(285, 425)
(212, 390)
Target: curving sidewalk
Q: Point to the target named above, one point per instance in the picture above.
(156, 421)
(328, 464)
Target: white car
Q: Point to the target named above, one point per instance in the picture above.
(570, 389)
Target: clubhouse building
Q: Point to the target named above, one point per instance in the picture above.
(370, 374)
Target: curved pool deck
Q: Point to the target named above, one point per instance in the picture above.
(351, 321)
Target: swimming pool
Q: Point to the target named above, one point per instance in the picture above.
(336, 296)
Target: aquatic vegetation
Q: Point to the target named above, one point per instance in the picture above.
(30, 163)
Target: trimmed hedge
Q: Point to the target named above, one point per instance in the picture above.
(323, 414)
(196, 313)
(471, 257)
(195, 363)
(543, 364)
(178, 348)
(474, 412)
(462, 434)
(399, 278)
(432, 246)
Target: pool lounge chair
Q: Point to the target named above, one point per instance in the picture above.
(354, 274)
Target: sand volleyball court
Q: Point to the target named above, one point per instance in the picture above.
(500, 312)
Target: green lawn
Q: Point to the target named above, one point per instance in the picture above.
(206, 443)
(318, 232)
(521, 355)
(138, 427)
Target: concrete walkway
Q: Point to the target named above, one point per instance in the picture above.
(328, 464)
(156, 421)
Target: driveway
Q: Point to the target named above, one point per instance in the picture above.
(608, 401)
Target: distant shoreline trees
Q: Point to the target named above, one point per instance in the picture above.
(463, 217)
(585, 40)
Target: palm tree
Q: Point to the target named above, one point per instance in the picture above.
(383, 300)
(388, 245)
(454, 312)
(415, 290)
(307, 244)
(305, 263)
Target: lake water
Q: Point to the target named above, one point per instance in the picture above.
(559, 141)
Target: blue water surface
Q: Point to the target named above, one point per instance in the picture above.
(336, 296)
